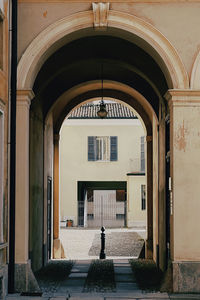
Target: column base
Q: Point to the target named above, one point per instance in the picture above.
(186, 277)
(58, 250)
(25, 280)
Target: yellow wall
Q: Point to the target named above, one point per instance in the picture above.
(135, 215)
(74, 164)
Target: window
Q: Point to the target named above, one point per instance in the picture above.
(142, 154)
(90, 197)
(90, 216)
(1, 174)
(119, 216)
(143, 197)
(102, 148)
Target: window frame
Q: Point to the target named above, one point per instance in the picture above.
(1, 177)
(143, 197)
(102, 148)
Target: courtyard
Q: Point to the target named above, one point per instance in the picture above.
(81, 243)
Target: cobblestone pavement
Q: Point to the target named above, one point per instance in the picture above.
(85, 244)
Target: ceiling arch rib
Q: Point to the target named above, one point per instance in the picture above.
(122, 62)
(73, 97)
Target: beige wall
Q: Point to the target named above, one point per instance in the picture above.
(135, 215)
(169, 18)
(185, 205)
(74, 164)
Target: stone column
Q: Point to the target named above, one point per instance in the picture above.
(57, 247)
(149, 241)
(185, 177)
(23, 274)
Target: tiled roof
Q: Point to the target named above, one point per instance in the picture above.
(89, 111)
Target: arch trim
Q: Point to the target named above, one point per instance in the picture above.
(45, 44)
(195, 75)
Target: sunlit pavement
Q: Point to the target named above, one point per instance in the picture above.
(77, 242)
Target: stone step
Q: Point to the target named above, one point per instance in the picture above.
(124, 278)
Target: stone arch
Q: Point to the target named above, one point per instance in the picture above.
(81, 89)
(45, 44)
(195, 75)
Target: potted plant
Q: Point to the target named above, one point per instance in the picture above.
(69, 223)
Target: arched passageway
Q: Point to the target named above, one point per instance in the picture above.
(64, 71)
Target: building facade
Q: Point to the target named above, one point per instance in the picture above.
(102, 168)
(4, 144)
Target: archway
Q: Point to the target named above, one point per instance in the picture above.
(39, 63)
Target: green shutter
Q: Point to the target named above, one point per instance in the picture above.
(113, 148)
(91, 148)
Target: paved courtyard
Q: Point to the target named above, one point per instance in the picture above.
(85, 243)
(81, 247)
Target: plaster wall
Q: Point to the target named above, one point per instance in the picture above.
(48, 171)
(36, 188)
(162, 190)
(186, 187)
(74, 164)
(168, 18)
(4, 144)
(135, 215)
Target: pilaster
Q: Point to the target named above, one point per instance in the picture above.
(149, 241)
(58, 251)
(185, 188)
(22, 175)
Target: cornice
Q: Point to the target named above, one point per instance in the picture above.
(111, 1)
(25, 96)
(183, 97)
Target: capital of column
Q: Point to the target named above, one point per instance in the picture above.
(24, 97)
(183, 97)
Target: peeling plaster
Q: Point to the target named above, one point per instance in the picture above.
(45, 14)
(180, 138)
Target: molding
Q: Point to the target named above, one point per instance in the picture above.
(183, 97)
(100, 11)
(111, 1)
(41, 47)
(24, 97)
(195, 75)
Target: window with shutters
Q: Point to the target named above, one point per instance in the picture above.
(142, 154)
(102, 148)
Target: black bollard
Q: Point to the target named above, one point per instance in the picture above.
(102, 253)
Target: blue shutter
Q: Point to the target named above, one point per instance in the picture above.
(91, 148)
(113, 148)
